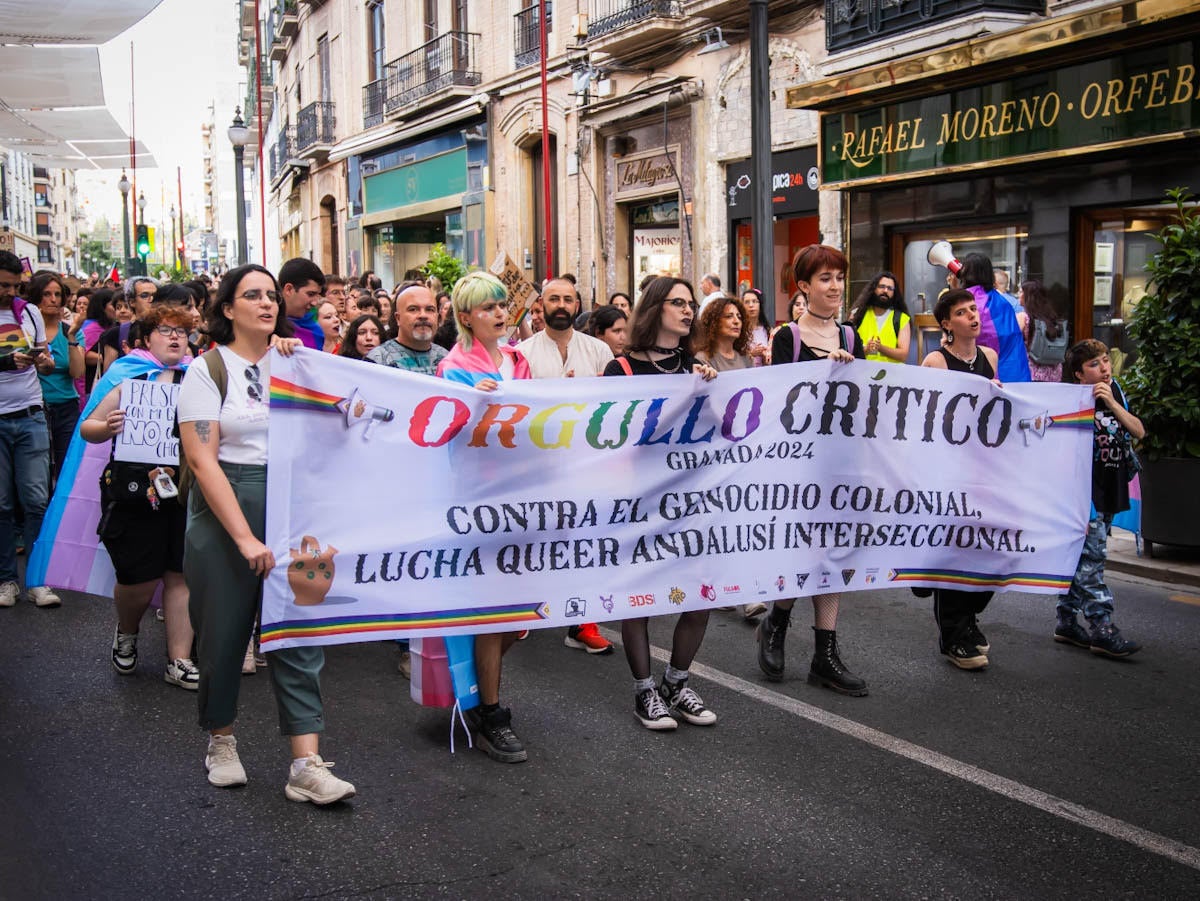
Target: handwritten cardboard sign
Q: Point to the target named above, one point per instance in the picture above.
(520, 291)
(149, 423)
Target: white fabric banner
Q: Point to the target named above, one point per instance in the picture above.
(401, 505)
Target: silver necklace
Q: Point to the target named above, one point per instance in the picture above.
(678, 363)
(961, 359)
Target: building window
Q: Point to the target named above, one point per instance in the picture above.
(376, 45)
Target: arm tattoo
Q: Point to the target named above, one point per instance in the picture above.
(203, 430)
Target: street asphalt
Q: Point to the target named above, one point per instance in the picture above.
(1052, 774)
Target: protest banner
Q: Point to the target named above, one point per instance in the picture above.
(552, 502)
(521, 293)
(148, 435)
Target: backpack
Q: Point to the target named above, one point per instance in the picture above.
(220, 376)
(845, 334)
(1045, 351)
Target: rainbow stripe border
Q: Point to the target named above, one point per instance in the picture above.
(290, 396)
(1080, 419)
(982, 580)
(400, 622)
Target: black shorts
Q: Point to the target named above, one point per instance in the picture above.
(143, 544)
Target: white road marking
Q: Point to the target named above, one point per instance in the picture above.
(1008, 788)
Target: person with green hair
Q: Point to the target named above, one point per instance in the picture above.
(482, 358)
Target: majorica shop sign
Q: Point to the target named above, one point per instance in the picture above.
(1137, 95)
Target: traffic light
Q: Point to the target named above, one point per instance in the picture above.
(179, 248)
(143, 241)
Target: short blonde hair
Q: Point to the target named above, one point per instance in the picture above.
(474, 290)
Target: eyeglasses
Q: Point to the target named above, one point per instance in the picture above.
(146, 295)
(680, 303)
(172, 331)
(254, 384)
(254, 295)
(490, 306)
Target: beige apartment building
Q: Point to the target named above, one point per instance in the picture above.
(392, 126)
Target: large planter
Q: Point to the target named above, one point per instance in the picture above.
(1170, 513)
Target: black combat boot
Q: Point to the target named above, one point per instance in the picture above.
(771, 634)
(827, 668)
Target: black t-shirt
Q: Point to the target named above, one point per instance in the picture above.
(644, 367)
(111, 338)
(1111, 458)
(783, 347)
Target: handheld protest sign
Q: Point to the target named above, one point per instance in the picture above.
(148, 435)
(520, 291)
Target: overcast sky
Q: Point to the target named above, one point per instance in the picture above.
(185, 60)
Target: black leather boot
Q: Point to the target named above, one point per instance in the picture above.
(827, 668)
(772, 632)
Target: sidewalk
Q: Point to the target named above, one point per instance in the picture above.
(1177, 565)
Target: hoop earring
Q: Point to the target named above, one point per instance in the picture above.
(949, 337)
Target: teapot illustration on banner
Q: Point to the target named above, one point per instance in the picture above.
(310, 574)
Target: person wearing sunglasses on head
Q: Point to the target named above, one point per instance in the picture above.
(224, 437)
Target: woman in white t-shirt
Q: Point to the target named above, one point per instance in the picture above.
(224, 438)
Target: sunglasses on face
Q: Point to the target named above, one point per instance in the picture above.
(254, 295)
(680, 303)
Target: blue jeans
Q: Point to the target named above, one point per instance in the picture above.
(1088, 593)
(24, 474)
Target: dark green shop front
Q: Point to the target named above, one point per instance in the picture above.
(1057, 172)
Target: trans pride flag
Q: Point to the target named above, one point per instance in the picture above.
(68, 553)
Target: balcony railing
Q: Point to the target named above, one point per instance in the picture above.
(314, 126)
(607, 16)
(852, 23)
(281, 152)
(527, 35)
(446, 61)
(374, 99)
(287, 18)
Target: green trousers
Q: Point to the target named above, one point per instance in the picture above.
(224, 599)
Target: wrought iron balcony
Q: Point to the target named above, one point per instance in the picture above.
(281, 152)
(449, 60)
(374, 98)
(853, 23)
(527, 35)
(314, 126)
(607, 16)
(287, 17)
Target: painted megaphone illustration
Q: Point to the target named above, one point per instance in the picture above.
(1034, 425)
(356, 409)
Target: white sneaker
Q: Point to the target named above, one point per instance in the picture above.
(44, 597)
(9, 592)
(183, 672)
(124, 652)
(222, 762)
(315, 783)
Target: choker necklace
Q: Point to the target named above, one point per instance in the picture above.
(669, 351)
(828, 318)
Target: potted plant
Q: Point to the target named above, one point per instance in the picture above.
(1164, 381)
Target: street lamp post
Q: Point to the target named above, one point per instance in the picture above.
(141, 203)
(239, 136)
(123, 186)
(174, 241)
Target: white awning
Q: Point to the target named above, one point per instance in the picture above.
(50, 77)
(69, 21)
